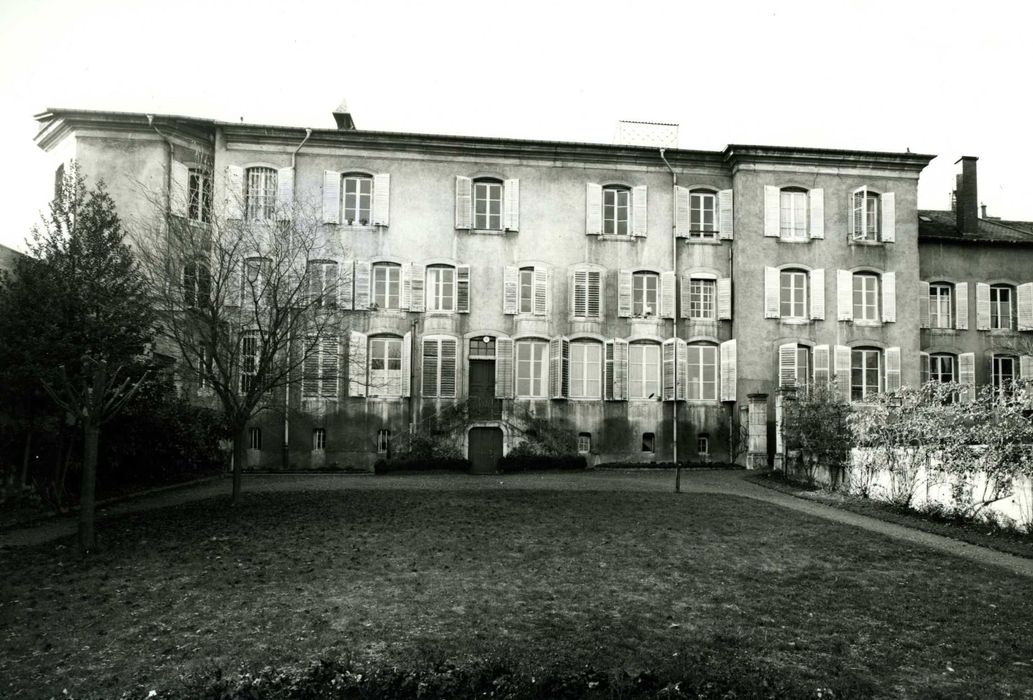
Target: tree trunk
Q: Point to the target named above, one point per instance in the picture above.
(87, 497)
(24, 480)
(239, 459)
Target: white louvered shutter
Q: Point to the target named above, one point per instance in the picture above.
(346, 285)
(233, 197)
(1026, 366)
(578, 282)
(961, 306)
(464, 202)
(418, 284)
(787, 365)
(816, 201)
(845, 294)
(594, 209)
(310, 371)
(889, 217)
(683, 212)
(449, 368)
(772, 211)
(179, 188)
(1024, 303)
(405, 294)
(923, 304)
(724, 298)
(624, 293)
(892, 369)
(668, 282)
(463, 289)
(559, 367)
(362, 285)
(725, 215)
(982, 306)
(967, 375)
(817, 284)
(511, 197)
(683, 295)
(729, 370)
(284, 194)
(595, 294)
(357, 364)
(620, 369)
(924, 369)
(331, 197)
(639, 220)
(841, 361)
(681, 356)
(667, 369)
(504, 368)
(541, 291)
(771, 290)
(510, 289)
(820, 358)
(330, 373)
(430, 367)
(407, 364)
(382, 199)
(889, 297)
(608, 370)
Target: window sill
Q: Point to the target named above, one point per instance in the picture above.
(388, 399)
(867, 324)
(942, 331)
(388, 312)
(695, 237)
(617, 237)
(1004, 332)
(585, 399)
(866, 243)
(795, 321)
(356, 228)
(486, 231)
(782, 239)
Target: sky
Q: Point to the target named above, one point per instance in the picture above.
(944, 78)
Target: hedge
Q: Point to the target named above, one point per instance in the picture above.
(524, 463)
(421, 464)
(667, 465)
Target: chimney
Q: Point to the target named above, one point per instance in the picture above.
(967, 211)
(982, 211)
(343, 117)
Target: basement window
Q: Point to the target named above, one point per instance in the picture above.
(648, 442)
(319, 439)
(254, 438)
(584, 443)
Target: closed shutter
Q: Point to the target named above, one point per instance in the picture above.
(624, 293)
(407, 364)
(620, 370)
(724, 299)
(430, 367)
(1024, 301)
(725, 214)
(179, 188)
(541, 291)
(820, 357)
(449, 368)
(982, 306)
(639, 223)
(772, 211)
(559, 367)
(504, 368)
(892, 369)
(463, 289)
(594, 209)
(357, 364)
(961, 306)
(284, 194)
(816, 200)
(682, 362)
(381, 199)
(967, 375)
(595, 294)
(1026, 367)
(579, 292)
(418, 282)
(464, 202)
(771, 288)
(923, 304)
(331, 197)
(683, 212)
(787, 365)
(667, 352)
(889, 297)
(346, 285)
(330, 374)
(729, 370)
(511, 221)
(668, 281)
(845, 293)
(233, 197)
(510, 289)
(817, 280)
(310, 370)
(362, 285)
(889, 217)
(842, 371)
(924, 369)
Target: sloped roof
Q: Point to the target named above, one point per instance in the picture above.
(934, 224)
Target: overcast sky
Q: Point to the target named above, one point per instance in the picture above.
(945, 78)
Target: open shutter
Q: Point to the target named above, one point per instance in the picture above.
(233, 197)
(681, 356)
(842, 371)
(820, 357)
(639, 223)
(541, 290)
(772, 211)
(608, 376)
(407, 364)
(330, 359)
(310, 371)
(961, 302)
(429, 367)
(1026, 367)
(982, 306)
(771, 282)
(667, 362)
(845, 294)
(578, 281)
(889, 217)
(362, 285)
(683, 212)
(787, 365)
(511, 215)
(381, 199)
(892, 369)
(284, 194)
(504, 368)
(405, 294)
(559, 367)
(624, 293)
(449, 368)
(686, 286)
(858, 213)
(510, 287)
(464, 202)
(924, 369)
(594, 209)
(724, 214)
(923, 304)
(418, 283)
(817, 280)
(463, 289)
(620, 370)
(889, 297)
(1024, 301)
(346, 285)
(967, 375)
(668, 281)
(179, 187)
(724, 299)
(816, 201)
(357, 364)
(729, 370)
(595, 294)
(331, 197)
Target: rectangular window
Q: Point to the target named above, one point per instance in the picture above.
(940, 306)
(261, 194)
(256, 276)
(616, 203)
(793, 215)
(793, 294)
(702, 214)
(199, 192)
(644, 293)
(586, 370)
(319, 439)
(482, 347)
(1003, 372)
(702, 366)
(865, 374)
(532, 368)
(584, 443)
(322, 283)
(701, 299)
(526, 290)
(643, 371)
(387, 284)
(866, 297)
(1001, 317)
(703, 446)
(865, 219)
(385, 367)
(441, 287)
(358, 200)
(254, 438)
(487, 205)
(250, 348)
(383, 441)
(648, 442)
(941, 368)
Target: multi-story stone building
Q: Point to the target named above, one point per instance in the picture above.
(644, 297)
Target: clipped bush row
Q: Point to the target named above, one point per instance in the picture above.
(525, 463)
(421, 464)
(667, 465)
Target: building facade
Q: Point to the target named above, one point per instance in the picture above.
(646, 299)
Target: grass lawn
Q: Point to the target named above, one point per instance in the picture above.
(623, 581)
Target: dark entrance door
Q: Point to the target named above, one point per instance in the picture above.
(485, 449)
(483, 404)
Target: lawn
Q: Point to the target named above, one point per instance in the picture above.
(546, 580)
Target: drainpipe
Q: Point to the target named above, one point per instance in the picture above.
(412, 380)
(168, 165)
(674, 321)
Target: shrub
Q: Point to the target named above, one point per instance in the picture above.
(530, 462)
(421, 464)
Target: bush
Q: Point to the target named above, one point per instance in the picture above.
(529, 462)
(421, 464)
(667, 465)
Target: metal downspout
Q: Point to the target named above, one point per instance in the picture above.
(674, 321)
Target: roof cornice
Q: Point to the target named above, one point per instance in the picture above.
(737, 154)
